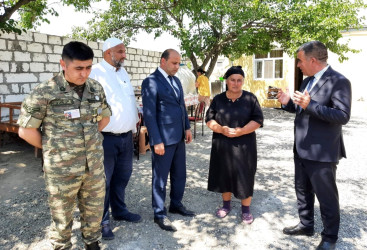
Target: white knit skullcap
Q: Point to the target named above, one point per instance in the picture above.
(110, 43)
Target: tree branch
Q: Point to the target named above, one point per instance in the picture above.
(8, 12)
(194, 61)
(212, 64)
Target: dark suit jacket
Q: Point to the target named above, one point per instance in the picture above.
(318, 128)
(165, 115)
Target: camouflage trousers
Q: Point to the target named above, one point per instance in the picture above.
(88, 191)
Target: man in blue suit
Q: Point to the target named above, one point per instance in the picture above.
(168, 127)
(322, 106)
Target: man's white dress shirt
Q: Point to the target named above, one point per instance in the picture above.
(169, 81)
(317, 76)
(120, 96)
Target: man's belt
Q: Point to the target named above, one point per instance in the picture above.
(114, 134)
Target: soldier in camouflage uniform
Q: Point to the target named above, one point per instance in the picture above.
(71, 109)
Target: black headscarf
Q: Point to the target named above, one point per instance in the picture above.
(201, 70)
(234, 70)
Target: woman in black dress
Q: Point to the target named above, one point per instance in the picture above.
(234, 116)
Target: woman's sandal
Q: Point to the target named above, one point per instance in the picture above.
(222, 212)
(247, 218)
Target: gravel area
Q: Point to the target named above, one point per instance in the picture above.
(25, 218)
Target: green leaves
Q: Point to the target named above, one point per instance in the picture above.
(209, 28)
(232, 28)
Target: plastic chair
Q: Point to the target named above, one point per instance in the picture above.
(198, 116)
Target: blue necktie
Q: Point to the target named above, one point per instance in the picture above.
(174, 86)
(310, 83)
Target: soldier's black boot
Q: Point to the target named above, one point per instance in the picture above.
(93, 246)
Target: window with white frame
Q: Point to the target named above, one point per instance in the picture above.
(269, 66)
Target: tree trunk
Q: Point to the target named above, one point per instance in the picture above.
(213, 62)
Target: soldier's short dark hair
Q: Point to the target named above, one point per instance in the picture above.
(78, 51)
(166, 53)
(314, 49)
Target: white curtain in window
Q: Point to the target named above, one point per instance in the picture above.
(268, 69)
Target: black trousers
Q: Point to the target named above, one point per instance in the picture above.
(318, 178)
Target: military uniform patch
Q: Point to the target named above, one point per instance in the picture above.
(30, 109)
(62, 102)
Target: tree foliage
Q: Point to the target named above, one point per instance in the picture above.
(32, 12)
(209, 28)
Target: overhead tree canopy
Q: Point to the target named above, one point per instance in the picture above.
(32, 12)
(209, 28)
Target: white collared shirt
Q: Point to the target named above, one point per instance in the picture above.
(317, 76)
(168, 80)
(120, 96)
(164, 73)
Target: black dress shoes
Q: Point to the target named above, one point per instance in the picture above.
(130, 217)
(181, 210)
(324, 245)
(299, 230)
(107, 233)
(165, 224)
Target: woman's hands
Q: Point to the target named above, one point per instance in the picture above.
(232, 132)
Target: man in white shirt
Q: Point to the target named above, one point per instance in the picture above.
(118, 134)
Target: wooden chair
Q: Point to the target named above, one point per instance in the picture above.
(143, 140)
(10, 125)
(198, 115)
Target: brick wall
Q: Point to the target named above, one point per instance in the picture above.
(31, 58)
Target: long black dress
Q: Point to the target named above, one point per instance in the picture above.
(233, 161)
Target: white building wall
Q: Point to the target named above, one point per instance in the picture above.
(355, 68)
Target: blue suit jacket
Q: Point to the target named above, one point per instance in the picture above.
(165, 115)
(318, 128)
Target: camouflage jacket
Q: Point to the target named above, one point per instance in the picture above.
(69, 144)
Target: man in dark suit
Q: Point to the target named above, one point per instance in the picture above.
(322, 106)
(168, 126)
